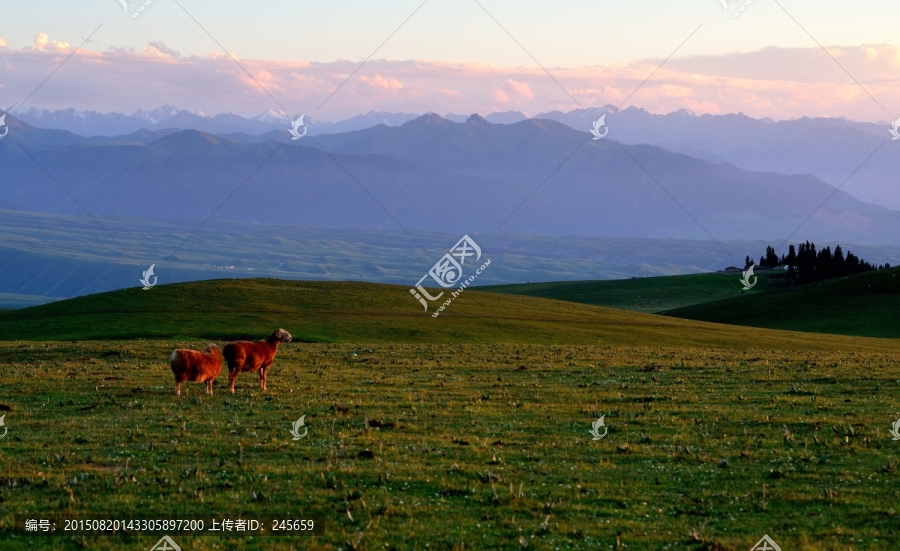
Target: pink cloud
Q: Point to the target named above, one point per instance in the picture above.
(520, 88)
(381, 82)
(773, 82)
(43, 43)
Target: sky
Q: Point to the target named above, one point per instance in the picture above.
(759, 57)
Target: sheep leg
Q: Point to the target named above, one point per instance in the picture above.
(262, 379)
(232, 375)
(177, 389)
(209, 387)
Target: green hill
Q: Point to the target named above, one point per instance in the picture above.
(863, 305)
(365, 312)
(645, 294)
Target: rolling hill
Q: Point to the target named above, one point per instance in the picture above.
(865, 304)
(364, 312)
(640, 294)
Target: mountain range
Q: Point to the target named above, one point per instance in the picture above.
(835, 150)
(93, 123)
(535, 176)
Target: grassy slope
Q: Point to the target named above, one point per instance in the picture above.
(866, 305)
(364, 312)
(489, 445)
(646, 294)
(482, 453)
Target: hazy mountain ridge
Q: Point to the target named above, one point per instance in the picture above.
(434, 175)
(89, 124)
(829, 148)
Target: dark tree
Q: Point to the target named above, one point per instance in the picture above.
(838, 265)
(791, 259)
(806, 265)
(771, 257)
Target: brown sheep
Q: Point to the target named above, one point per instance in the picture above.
(250, 356)
(196, 367)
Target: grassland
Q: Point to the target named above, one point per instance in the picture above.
(480, 446)
(644, 294)
(865, 304)
(467, 431)
(862, 305)
(369, 313)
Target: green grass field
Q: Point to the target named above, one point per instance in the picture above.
(468, 431)
(866, 304)
(645, 294)
(367, 313)
(862, 305)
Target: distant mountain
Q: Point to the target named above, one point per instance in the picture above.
(92, 123)
(453, 117)
(830, 149)
(189, 173)
(696, 153)
(436, 175)
(359, 122)
(506, 117)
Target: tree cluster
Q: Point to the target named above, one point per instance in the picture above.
(806, 265)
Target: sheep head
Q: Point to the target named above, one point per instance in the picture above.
(281, 336)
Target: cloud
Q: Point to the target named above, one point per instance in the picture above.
(380, 82)
(779, 83)
(43, 43)
(520, 88)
